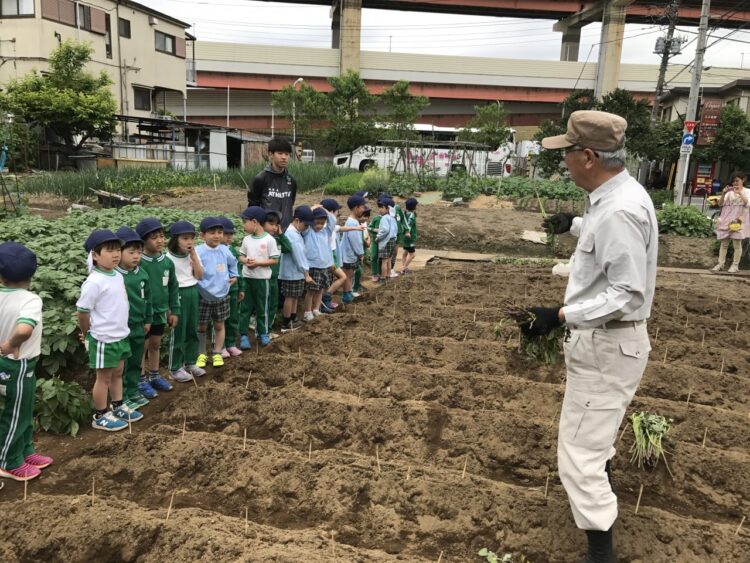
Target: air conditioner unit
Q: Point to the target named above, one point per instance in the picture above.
(152, 20)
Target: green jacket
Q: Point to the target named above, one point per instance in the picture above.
(285, 247)
(165, 291)
(374, 224)
(235, 288)
(411, 228)
(138, 288)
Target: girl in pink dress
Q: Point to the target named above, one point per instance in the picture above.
(734, 222)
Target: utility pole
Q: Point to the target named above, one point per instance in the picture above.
(666, 52)
(692, 108)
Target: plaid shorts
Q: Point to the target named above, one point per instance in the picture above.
(213, 310)
(293, 288)
(389, 249)
(350, 265)
(321, 279)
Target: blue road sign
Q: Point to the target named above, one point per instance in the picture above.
(688, 139)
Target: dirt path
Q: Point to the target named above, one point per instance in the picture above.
(434, 435)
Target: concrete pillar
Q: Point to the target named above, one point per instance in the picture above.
(610, 49)
(350, 32)
(335, 26)
(571, 44)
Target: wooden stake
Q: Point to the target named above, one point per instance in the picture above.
(465, 335)
(703, 339)
(195, 382)
(737, 327)
(409, 330)
(737, 531)
(25, 486)
(303, 378)
(244, 440)
(184, 425)
(376, 300)
(664, 361)
(705, 433)
(622, 433)
(171, 501)
(130, 426)
(246, 524)
(475, 315)
(377, 457)
(721, 371)
(299, 352)
(93, 490)
(408, 472)
(309, 451)
(466, 461)
(687, 403)
(687, 317)
(638, 503)
(546, 486)
(656, 338)
(249, 375)
(349, 354)
(440, 557)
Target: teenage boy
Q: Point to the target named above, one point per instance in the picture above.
(219, 274)
(165, 302)
(352, 246)
(140, 312)
(103, 319)
(274, 188)
(20, 347)
(294, 272)
(258, 254)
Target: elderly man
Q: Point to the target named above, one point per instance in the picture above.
(607, 301)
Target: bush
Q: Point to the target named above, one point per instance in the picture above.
(519, 187)
(660, 197)
(376, 181)
(61, 407)
(686, 221)
(62, 269)
(461, 185)
(404, 185)
(344, 185)
(150, 181)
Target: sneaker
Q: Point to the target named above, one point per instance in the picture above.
(140, 401)
(217, 360)
(146, 390)
(160, 384)
(245, 343)
(124, 412)
(308, 316)
(201, 361)
(375, 279)
(234, 351)
(265, 340)
(717, 268)
(225, 353)
(195, 371)
(325, 309)
(394, 274)
(356, 294)
(24, 472)
(38, 460)
(274, 335)
(289, 327)
(109, 423)
(733, 269)
(182, 375)
(131, 404)
(347, 298)
(316, 313)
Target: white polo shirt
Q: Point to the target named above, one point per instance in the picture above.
(103, 295)
(19, 306)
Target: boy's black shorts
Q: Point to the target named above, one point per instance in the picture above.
(156, 330)
(410, 249)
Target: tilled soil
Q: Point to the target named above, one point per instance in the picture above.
(406, 426)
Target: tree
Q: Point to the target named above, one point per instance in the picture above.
(732, 144)
(350, 113)
(303, 105)
(489, 126)
(636, 112)
(73, 103)
(402, 110)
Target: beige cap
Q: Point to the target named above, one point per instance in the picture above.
(597, 130)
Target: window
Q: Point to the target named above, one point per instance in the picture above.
(91, 19)
(84, 17)
(142, 98)
(164, 43)
(63, 11)
(123, 27)
(16, 8)
(108, 36)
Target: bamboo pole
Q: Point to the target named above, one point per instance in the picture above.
(309, 451)
(546, 486)
(705, 434)
(408, 472)
(466, 461)
(244, 440)
(475, 315)
(664, 361)
(656, 337)
(737, 327)
(721, 371)
(93, 490)
(638, 503)
(377, 457)
(249, 375)
(184, 425)
(25, 487)
(687, 403)
(440, 557)
(737, 531)
(171, 501)
(195, 382)
(465, 335)
(246, 522)
(703, 339)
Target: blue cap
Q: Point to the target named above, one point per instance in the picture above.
(367, 211)
(228, 225)
(254, 213)
(127, 235)
(210, 223)
(411, 203)
(17, 263)
(355, 200)
(97, 238)
(330, 204)
(385, 202)
(148, 226)
(304, 214)
(181, 227)
(320, 213)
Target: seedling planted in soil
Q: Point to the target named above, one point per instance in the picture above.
(492, 557)
(649, 431)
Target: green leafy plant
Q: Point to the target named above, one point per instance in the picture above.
(375, 181)
(649, 431)
(61, 407)
(344, 185)
(661, 197)
(493, 557)
(546, 348)
(687, 221)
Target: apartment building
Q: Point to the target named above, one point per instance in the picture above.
(145, 52)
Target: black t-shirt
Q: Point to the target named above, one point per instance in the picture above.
(274, 190)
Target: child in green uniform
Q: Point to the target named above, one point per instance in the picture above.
(183, 339)
(236, 296)
(138, 288)
(410, 234)
(103, 313)
(372, 229)
(20, 346)
(273, 227)
(165, 301)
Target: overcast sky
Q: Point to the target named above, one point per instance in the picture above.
(248, 21)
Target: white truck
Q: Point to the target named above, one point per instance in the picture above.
(437, 151)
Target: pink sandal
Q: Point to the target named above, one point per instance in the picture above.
(24, 472)
(38, 460)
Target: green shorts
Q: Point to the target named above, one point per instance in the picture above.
(106, 355)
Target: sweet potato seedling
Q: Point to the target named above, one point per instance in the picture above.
(547, 348)
(649, 431)
(492, 557)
